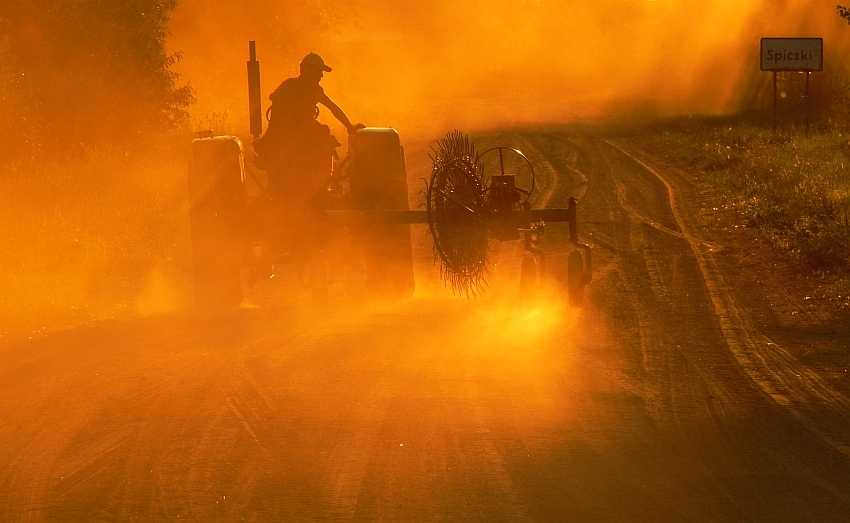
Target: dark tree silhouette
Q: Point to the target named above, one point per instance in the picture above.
(80, 72)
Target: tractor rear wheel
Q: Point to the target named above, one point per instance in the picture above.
(379, 182)
(216, 216)
(575, 278)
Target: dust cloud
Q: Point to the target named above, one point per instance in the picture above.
(424, 67)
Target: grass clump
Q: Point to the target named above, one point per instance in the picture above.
(794, 188)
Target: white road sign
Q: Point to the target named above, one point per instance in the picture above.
(792, 54)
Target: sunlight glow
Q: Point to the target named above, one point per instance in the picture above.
(511, 62)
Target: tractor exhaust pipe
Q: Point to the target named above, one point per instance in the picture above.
(255, 104)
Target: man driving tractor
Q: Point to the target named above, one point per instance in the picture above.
(297, 150)
(297, 153)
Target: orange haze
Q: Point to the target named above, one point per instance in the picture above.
(437, 64)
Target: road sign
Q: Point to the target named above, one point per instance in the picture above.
(802, 55)
(792, 54)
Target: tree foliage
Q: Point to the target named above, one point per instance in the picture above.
(844, 13)
(81, 72)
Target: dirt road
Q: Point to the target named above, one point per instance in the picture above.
(684, 390)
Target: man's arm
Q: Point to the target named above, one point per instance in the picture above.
(339, 114)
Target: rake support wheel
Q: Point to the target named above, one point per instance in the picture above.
(575, 278)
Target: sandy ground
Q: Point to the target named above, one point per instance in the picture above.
(698, 383)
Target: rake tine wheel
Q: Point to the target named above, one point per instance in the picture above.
(456, 206)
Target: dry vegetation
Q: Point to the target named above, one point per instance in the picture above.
(82, 236)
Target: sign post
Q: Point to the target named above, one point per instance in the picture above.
(791, 54)
(774, 102)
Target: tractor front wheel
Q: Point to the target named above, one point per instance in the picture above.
(379, 182)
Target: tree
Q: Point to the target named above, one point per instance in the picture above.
(88, 71)
(844, 13)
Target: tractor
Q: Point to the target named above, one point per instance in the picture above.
(364, 218)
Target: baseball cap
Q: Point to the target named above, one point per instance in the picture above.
(314, 60)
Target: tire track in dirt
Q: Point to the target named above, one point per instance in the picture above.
(774, 369)
(649, 295)
(706, 373)
(671, 384)
(553, 176)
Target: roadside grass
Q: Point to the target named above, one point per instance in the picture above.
(796, 189)
(87, 238)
